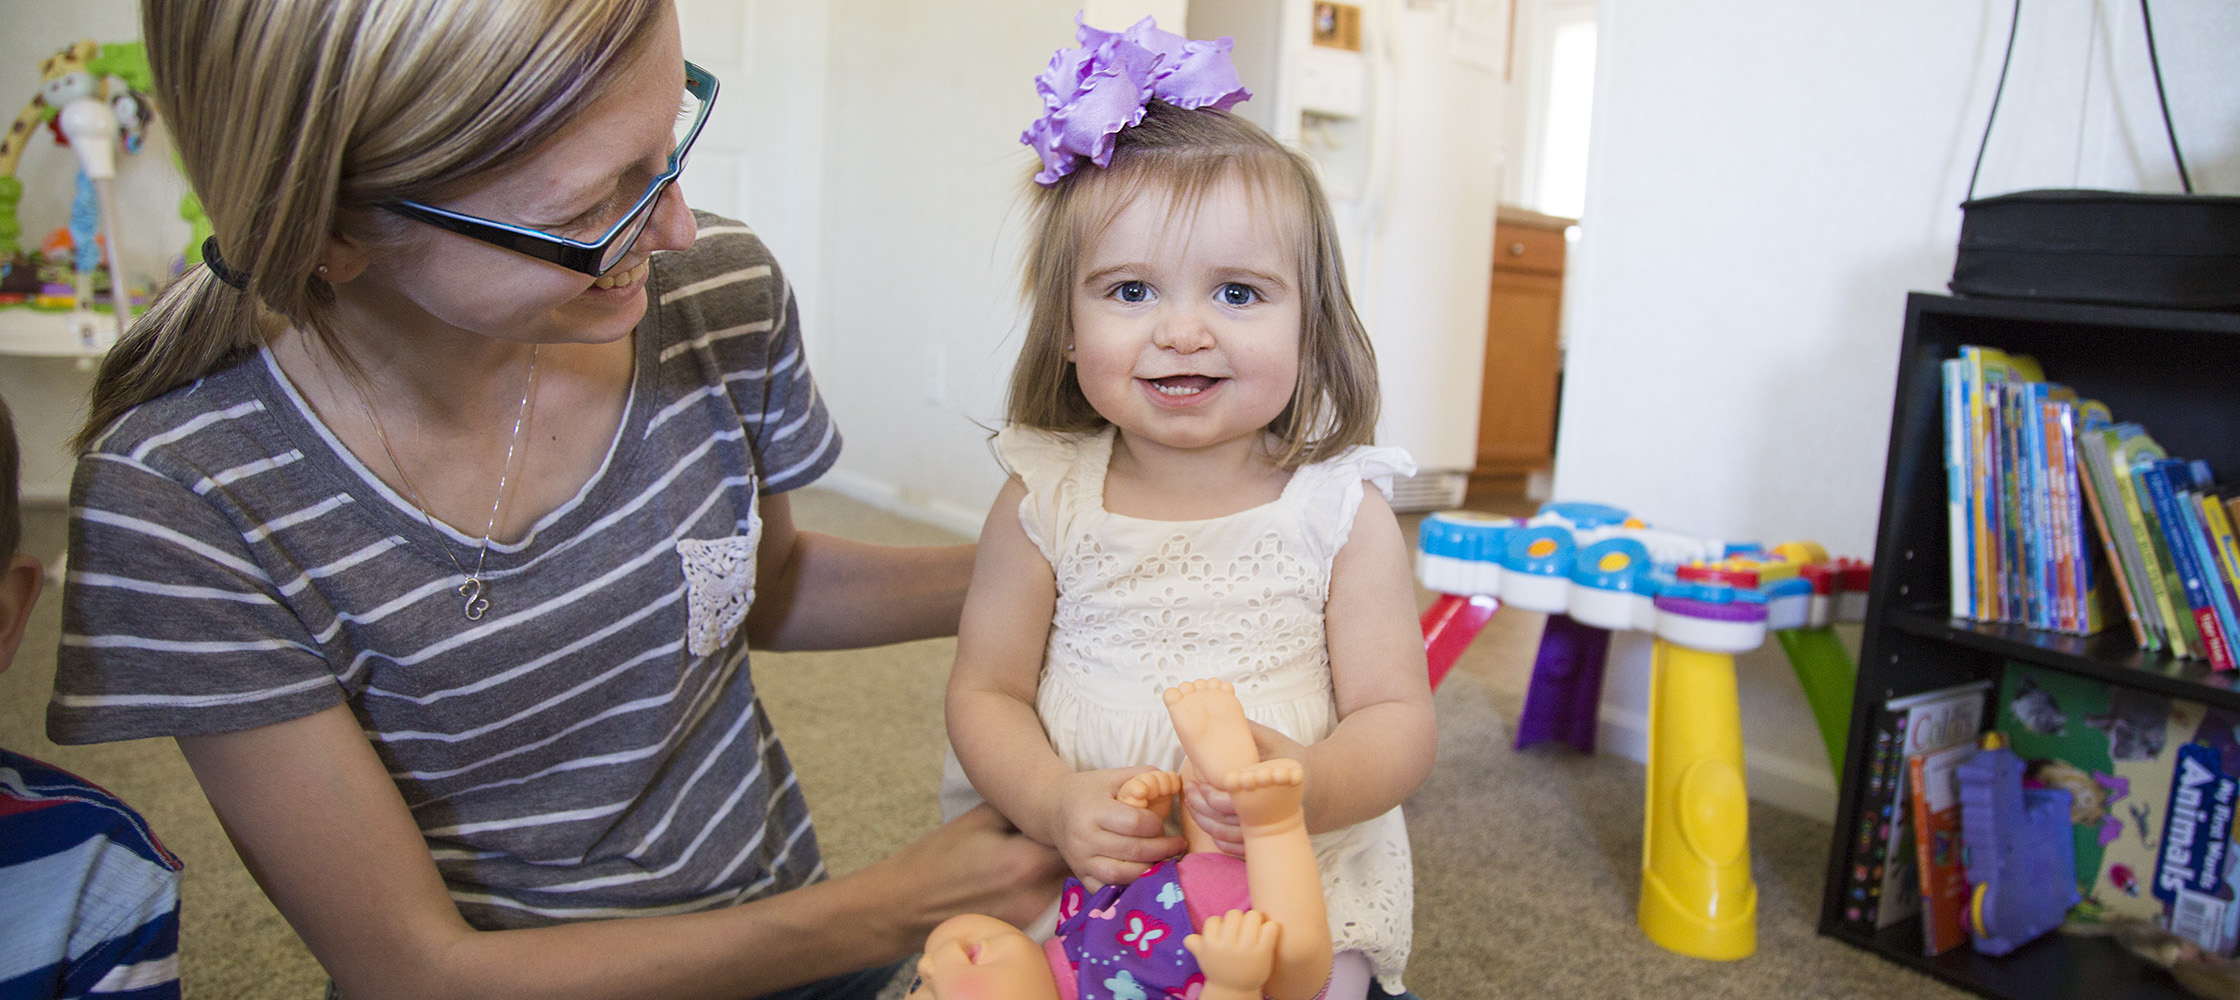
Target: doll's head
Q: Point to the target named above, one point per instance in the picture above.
(972, 957)
(1178, 157)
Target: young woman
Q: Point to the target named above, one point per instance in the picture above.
(434, 518)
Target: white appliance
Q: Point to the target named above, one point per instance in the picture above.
(1406, 130)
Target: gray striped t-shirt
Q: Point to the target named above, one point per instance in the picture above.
(593, 746)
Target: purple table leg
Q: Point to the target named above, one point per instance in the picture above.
(1566, 689)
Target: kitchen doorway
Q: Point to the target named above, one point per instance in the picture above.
(1542, 199)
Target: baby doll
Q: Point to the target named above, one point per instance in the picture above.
(1258, 926)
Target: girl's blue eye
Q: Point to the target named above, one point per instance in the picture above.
(1235, 294)
(1131, 291)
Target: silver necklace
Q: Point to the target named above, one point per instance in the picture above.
(473, 590)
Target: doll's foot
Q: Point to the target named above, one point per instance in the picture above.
(1268, 794)
(1210, 722)
(1152, 790)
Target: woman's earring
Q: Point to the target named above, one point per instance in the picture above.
(322, 270)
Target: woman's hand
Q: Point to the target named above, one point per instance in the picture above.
(976, 863)
(1102, 839)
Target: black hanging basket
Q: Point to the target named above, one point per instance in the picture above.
(2111, 247)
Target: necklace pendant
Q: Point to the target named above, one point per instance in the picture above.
(476, 603)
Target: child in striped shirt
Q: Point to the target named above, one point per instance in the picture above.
(92, 897)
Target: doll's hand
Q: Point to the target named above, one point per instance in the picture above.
(1103, 839)
(1236, 951)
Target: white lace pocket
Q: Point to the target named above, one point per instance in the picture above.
(719, 588)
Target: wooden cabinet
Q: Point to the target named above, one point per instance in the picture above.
(2169, 370)
(1517, 411)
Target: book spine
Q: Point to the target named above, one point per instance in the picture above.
(2212, 573)
(2116, 531)
(1871, 840)
(2096, 504)
(2037, 508)
(2156, 479)
(1936, 824)
(2184, 639)
(2022, 606)
(1979, 481)
(2213, 514)
(1924, 852)
(1956, 472)
(2061, 490)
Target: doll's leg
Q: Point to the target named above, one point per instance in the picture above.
(1279, 861)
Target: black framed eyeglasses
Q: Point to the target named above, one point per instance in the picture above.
(598, 256)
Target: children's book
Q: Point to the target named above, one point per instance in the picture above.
(1987, 371)
(1956, 471)
(1885, 879)
(2166, 511)
(2128, 445)
(2104, 507)
(2146, 774)
(2225, 542)
(1936, 838)
(2209, 565)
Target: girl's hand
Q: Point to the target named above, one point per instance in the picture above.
(1103, 839)
(1211, 807)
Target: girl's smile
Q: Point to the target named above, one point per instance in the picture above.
(1186, 322)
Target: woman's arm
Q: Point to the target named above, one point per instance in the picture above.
(999, 737)
(323, 829)
(815, 591)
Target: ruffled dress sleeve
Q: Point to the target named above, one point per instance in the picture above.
(1048, 463)
(1335, 485)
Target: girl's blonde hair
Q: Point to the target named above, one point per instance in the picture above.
(1184, 154)
(295, 119)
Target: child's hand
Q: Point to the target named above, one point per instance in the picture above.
(1210, 806)
(1215, 814)
(1236, 951)
(1103, 839)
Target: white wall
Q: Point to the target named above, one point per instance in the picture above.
(916, 322)
(1769, 180)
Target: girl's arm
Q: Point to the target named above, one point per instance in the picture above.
(815, 591)
(318, 822)
(1387, 735)
(999, 737)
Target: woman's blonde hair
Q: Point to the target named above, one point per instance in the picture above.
(295, 119)
(1184, 154)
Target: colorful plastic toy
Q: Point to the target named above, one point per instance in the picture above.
(1594, 570)
(91, 96)
(2019, 852)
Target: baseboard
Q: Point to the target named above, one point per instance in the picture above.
(904, 503)
(1802, 787)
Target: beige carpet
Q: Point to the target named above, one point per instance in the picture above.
(1526, 863)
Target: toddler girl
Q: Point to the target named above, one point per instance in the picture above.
(1188, 447)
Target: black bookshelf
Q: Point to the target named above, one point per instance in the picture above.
(2178, 373)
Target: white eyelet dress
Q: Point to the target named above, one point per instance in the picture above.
(1145, 605)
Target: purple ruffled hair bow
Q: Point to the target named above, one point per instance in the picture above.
(1091, 92)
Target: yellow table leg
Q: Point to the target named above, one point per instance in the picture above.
(1697, 897)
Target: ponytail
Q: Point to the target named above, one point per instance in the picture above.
(196, 325)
